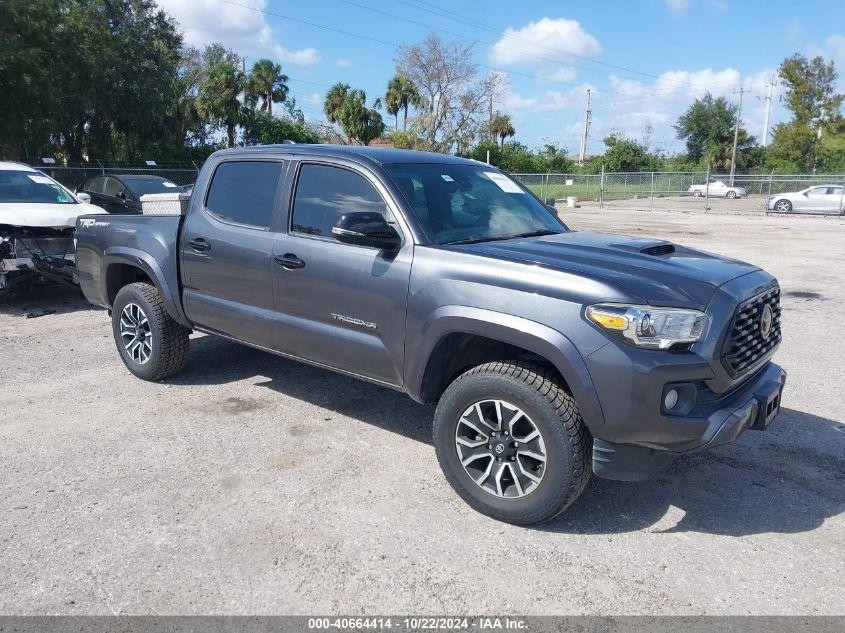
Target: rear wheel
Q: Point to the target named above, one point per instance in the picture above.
(512, 443)
(783, 206)
(697, 193)
(151, 344)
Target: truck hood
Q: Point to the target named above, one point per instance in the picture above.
(652, 271)
(29, 214)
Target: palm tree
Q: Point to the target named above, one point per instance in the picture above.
(218, 98)
(502, 127)
(401, 93)
(334, 101)
(267, 83)
(348, 108)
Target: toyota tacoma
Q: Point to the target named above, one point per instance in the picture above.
(551, 354)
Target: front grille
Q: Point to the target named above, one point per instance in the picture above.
(745, 344)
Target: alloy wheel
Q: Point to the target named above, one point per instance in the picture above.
(135, 333)
(500, 448)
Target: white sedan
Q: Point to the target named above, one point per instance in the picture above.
(37, 220)
(818, 198)
(718, 189)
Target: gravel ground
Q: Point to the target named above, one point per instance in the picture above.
(252, 484)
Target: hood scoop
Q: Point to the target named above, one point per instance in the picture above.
(665, 248)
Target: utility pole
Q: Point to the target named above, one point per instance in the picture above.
(736, 134)
(490, 121)
(582, 152)
(768, 109)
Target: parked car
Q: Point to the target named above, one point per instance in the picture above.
(718, 189)
(551, 354)
(37, 216)
(818, 198)
(122, 193)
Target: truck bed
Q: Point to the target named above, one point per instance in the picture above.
(149, 242)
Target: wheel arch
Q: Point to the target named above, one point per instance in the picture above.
(123, 266)
(450, 341)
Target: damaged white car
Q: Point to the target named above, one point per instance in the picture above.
(37, 219)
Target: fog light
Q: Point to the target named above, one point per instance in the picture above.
(670, 399)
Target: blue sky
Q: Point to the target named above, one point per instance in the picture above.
(644, 61)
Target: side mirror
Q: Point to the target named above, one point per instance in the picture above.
(121, 194)
(365, 228)
(83, 197)
(806, 194)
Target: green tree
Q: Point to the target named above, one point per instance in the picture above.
(86, 78)
(708, 129)
(501, 128)
(218, 98)
(401, 94)
(266, 129)
(268, 84)
(623, 154)
(816, 114)
(348, 108)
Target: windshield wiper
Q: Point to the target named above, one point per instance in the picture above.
(476, 240)
(536, 233)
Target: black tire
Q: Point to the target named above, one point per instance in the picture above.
(786, 204)
(731, 195)
(167, 339)
(552, 410)
(696, 193)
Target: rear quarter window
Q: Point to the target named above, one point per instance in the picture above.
(244, 192)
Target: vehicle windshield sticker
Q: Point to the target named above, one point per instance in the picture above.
(61, 195)
(170, 184)
(41, 180)
(447, 178)
(505, 184)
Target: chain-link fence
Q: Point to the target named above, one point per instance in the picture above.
(74, 174)
(825, 193)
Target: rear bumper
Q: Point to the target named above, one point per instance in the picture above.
(753, 406)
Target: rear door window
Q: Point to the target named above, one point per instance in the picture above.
(244, 192)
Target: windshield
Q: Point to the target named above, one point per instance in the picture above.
(153, 184)
(33, 187)
(471, 203)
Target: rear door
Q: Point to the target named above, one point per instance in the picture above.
(833, 200)
(338, 304)
(226, 249)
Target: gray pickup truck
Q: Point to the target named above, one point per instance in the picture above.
(551, 354)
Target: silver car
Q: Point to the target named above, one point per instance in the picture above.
(818, 199)
(717, 189)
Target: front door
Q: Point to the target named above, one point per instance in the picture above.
(337, 304)
(226, 251)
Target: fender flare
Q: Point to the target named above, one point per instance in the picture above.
(529, 335)
(144, 261)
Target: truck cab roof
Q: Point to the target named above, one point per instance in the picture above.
(358, 153)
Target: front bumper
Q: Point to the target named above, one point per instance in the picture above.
(754, 405)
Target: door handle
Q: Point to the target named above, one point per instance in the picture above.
(289, 261)
(199, 245)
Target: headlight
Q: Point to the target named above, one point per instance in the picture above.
(644, 326)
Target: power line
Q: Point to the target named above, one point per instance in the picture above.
(428, 6)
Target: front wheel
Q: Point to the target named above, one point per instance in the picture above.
(151, 344)
(697, 193)
(783, 206)
(731, 194)
(512, 443)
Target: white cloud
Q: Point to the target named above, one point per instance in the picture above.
(677, 7)
(238, 27)
(547, 38)
(343, 62)
(303, 57)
